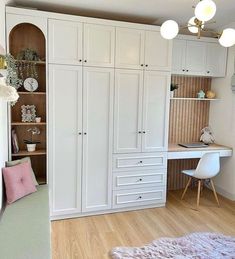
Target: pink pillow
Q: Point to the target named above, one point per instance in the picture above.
(18, 181)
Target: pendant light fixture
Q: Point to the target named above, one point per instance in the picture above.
(204, 12)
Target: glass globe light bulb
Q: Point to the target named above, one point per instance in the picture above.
(205, 10)
(227, 39)
(169, 29)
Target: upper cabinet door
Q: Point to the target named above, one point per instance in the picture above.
(97, 138)
(65, 42)
(127, 110)
(129, 48)
(158, 52)
(65, 143)
(99, 41)
(216, 60)
(178, 57)
(155, 111)
(195, 58)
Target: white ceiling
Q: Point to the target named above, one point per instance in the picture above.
(143, 11)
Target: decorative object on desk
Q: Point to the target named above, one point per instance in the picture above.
(207, 136)
(30, 84)
(15, 144)
(201, 94)
(38, 119)
(31, 144)
(28, 113)
(210, 94)
(12, 78)
(173, 88)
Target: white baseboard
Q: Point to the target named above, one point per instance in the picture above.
(228, 195)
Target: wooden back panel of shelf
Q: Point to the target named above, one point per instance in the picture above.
(187, 118)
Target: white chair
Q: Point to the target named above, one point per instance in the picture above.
(207, 168)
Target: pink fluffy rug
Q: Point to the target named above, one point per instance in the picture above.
(193, 246)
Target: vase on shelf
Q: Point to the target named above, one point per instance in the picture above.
(31, 147)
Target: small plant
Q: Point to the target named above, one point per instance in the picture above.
(34, 131)
(174, 86)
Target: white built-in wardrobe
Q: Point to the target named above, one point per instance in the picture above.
(108, 105)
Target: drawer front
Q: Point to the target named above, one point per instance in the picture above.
(138, 179)
(139, 161)
(139, 197)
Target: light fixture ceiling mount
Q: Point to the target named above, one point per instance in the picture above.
(204, 11)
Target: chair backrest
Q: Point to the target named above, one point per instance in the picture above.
(208, 166)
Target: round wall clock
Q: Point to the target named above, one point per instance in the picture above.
(30, 84)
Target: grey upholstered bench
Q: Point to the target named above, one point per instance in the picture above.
(25, 228)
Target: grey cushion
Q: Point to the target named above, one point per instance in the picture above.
(20, 161)
(25, 227)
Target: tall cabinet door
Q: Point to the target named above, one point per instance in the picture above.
(65, 42)
(129, 48)
(157, 52)
(99, 41)
(97, 138)
(65, 143)
(178, 57)
(155, 111)
(127, 110)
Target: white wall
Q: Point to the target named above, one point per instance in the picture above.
(3, 106)
(222, 121)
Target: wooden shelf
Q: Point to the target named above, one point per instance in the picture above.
(30, 93)
(28, 123)
(193, 99)
(26, 153)
(31, 62)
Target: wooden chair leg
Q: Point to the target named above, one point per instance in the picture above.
(215, 194)
(186, 188)
(198, 193)
(202, 187)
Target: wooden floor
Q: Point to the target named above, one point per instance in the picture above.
(93, 237)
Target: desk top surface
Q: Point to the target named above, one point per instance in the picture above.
(212, 147)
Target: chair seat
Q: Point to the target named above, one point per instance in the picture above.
(189, 172)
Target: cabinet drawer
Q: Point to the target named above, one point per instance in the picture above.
(139, 161)
(138, 179)
(139, 197)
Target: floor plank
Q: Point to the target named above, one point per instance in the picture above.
(93, 237)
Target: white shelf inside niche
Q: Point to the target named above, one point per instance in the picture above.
(193, 99)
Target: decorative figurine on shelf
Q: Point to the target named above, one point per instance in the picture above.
(31, 144)
(173, 88)
(210, 94)
(201, 94)
(207, 136)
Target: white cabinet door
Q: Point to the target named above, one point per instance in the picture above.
(155, 111)
(178, 57)
(157, 52)
(99, 41)
(216, 60)
(127, 110)
(129, 48)
(65, 143)
(65, 42)
(195, 58)
(97, 138)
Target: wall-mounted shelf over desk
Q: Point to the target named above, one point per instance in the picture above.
(193, 99)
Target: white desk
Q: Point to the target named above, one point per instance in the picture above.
(177, 152)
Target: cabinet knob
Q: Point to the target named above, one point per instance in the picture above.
(141, 161)
(85, 60)
(79, 133)
(142, 65)
(140, 179)
(146, 65)
(140, 197)
(139, 132)
(144, 132)
(183, 70)
(187, 70)
(80, 60)
(208, 72)
(85, 133)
